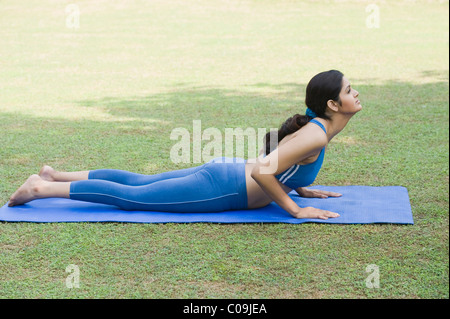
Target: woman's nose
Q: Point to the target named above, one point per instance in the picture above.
(356, 93)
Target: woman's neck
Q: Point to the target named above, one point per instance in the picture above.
(336, 124)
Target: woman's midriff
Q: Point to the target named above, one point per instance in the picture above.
(255, 194)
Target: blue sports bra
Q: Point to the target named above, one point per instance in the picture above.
(303, 175)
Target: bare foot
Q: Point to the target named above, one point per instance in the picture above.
(46, 173)
(27, 192)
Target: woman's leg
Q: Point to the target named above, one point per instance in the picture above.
(136, 179)
(49, 174)
(213, 188)
(114, 175)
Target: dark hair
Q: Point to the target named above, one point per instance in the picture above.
(321, 88)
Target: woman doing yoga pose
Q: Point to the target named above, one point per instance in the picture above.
(223, 185)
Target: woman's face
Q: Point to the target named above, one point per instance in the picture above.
(350, 103)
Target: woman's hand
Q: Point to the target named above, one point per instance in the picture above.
(311, 212)
(316, 193)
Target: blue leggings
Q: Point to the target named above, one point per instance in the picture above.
(212, 187)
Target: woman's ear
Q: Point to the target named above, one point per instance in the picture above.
(332, 105)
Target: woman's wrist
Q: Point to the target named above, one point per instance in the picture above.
(298, 213)
(301, 191)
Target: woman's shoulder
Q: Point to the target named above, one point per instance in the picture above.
(312, 133)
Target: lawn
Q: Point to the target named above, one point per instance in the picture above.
(107, 89)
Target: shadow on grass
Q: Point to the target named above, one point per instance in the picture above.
(266, 105)
(216, 107)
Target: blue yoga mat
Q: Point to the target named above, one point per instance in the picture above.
(357, 205)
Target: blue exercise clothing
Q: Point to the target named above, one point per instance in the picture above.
(303, 175)
(212, 187)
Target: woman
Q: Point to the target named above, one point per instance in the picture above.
(217, 185)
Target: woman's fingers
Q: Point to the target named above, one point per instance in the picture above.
(311, 212)
(326, 214)
(332, 194)
(316, 193)
(326, 194)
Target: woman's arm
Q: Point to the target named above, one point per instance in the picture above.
(309, 141)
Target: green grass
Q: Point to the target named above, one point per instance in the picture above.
(107, 95)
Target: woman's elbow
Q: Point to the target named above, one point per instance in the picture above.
(255, 173)
(258, 173)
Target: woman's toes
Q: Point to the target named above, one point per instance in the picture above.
(27, 192)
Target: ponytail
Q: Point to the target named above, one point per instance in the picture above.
(290, 126)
